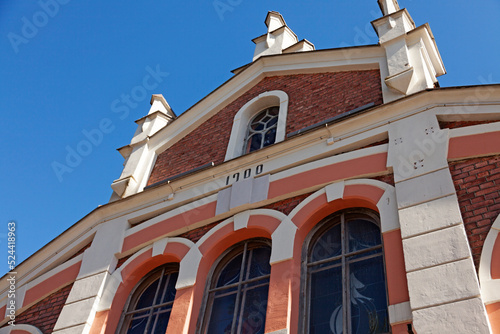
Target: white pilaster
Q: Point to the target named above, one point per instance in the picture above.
(83, 301)
(442, 280)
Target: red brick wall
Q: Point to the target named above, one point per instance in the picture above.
(122, 261)
(461, 124)
(81, 250)
(287, 205)
(312, 98)
(196, 234)
(477, 182)
(44, 314)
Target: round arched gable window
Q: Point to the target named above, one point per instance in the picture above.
(276, 102)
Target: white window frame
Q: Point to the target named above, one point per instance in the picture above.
(248, 111)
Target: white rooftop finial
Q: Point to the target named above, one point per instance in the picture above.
(388, 6)
(274, 20)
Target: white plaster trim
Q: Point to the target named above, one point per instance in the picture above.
(490, 288)
(335, 191)
(387, 205)
(21, 327)
(241, 220)
(388, 209)
(475, 130)
(213, 230)
(400, 313)
(118, 272)
(249, 110)
(110, 286)
(283, 241)
(189, 268)
(113, 282)
(20, 294)
(159, 246)
(368, 182)
(179, 240)
(305, 202)
(164, 241)
(268, 212)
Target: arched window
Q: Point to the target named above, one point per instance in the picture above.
(345, 283)
(149, 306)
(274, 104)
(262, 130)
(237, 294)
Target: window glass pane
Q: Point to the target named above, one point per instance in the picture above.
(259, 117)
(272, 122)
(365, 254)
(266, 119)
(169, 295)
(222, 314)
(328, 245)
(326, 301)
(255, 142)
(258, 126)
(160, 326)
(362, 234)
(231, 272)
(368, 297)
(254, 311)
(273, 111)
(147, 296)
(137, 326)
(259, 263)
(270, 137)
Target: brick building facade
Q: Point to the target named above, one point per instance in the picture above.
(317, 191)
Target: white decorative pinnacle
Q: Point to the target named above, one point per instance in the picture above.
(388, 6)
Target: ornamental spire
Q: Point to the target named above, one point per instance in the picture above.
(388, 6)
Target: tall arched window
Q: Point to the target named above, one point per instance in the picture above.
(262, 130)
(237, 295)
(150, 304)
(345, 283)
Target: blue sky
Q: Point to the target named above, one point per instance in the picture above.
(66, 68)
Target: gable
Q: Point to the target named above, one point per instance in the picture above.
(312, 98)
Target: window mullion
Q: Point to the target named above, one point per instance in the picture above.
(237, 302)
(154, 301)
(240, 316)
(345, 292)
